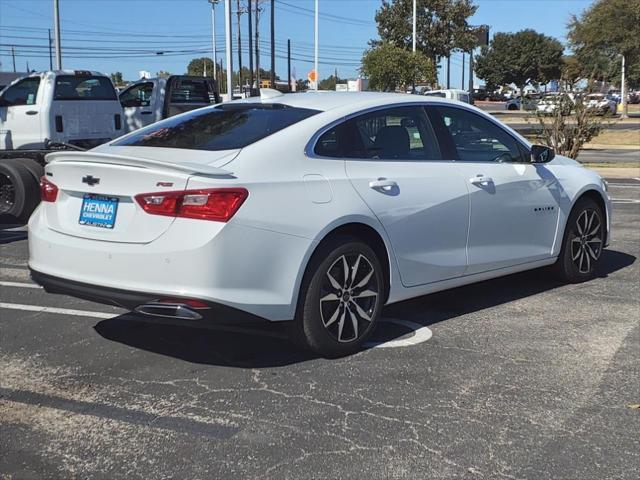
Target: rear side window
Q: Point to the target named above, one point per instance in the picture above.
(223, 127)
(191, 91)
(401, 133)
(72, 87)
(22, 93)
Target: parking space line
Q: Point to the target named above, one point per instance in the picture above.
(62, 311)
(19, 285)
(624, 200)
(421, 334)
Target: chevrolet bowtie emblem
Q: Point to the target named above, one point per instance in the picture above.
(90, 180)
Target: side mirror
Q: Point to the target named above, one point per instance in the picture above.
(542, 154)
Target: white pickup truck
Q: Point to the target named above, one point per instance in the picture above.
(150, 100)
(46, 111)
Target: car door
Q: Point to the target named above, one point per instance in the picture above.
(514, 203)
(393, 161)
(137, 102)
(20, 115)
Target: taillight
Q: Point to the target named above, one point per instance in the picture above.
(48, 190)
(217, 204)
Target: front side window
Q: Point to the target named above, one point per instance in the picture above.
(137, 96)
(74, 87)
(223, 127)
(476, 139)
(401, 133)
(22, 93)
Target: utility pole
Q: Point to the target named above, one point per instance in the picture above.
(623, 91)
(471, 76)
(250, 7)
(239, 13)
(273, 45)
(257, 39)
(462, 87)
(289, 65)
(50, 51)
(414, 24)
(228, 29)
(56, 25)
(315, 51)
(213, 39)
(449, 70)
(13, 56)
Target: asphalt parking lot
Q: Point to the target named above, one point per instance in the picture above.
(517, 378)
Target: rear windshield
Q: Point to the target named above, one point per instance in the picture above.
(223, 127)
(72, 87)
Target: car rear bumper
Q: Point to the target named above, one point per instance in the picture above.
(252, 270)
(130, 300)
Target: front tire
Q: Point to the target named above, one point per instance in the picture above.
(582, 243)
(341, 298)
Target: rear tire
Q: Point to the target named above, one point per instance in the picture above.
(341, 298)
(34, 168)
(582, 243)
(19, 190)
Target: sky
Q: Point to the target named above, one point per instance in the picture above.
(126, 35)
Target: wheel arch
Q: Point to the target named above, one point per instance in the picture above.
(362, 229)
(598, 197)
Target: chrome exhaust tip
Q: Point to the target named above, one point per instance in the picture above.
(168, 310)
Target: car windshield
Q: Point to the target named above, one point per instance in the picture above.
(223, 127)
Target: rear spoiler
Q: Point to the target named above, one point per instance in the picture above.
(91, 157)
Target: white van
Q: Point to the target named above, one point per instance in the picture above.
(43, 111)
(451, 94)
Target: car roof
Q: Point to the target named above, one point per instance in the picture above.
(329, 100)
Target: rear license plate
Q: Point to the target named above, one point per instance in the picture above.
(98, 211)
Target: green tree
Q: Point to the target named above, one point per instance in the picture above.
(163, 74)
(603, 33)
(441, 25)
(389, 67)
(197, 66)
(116, 78)
(329, 83)
(572, 70)
(302, 85)
(520, 58)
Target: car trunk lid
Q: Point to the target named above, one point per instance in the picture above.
(96, 194)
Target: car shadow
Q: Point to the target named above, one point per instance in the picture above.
(9, 236)
(266, 345)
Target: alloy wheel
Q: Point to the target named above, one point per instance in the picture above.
(348, 297)
(586, 244)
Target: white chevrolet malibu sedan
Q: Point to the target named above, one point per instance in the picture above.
(317, 209)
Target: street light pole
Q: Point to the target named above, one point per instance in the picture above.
(414, 24)
(623, 91)
(213, 38)
(228, 28)
(315, 52)
(56, 25)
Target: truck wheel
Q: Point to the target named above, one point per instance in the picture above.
(34, 168)
(19, 191)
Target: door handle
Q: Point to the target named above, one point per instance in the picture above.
(31, 112)
(383, 184)
(481, 180)
(146, 113)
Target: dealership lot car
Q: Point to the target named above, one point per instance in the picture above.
(319, 208)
